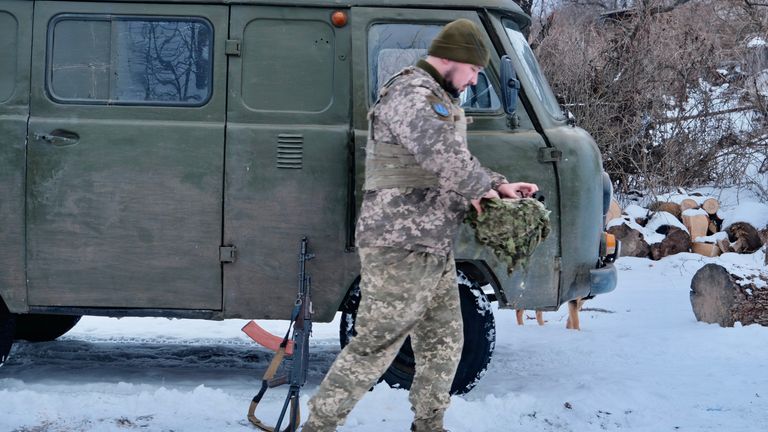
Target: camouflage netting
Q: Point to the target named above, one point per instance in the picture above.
(512, 228)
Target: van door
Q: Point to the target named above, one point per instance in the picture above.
(125, 156)
(15, 47)
(384, 41)
(287, 168)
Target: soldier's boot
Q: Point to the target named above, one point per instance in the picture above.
(308, 427)
(432, 423)
(427, 428)
(311, 425)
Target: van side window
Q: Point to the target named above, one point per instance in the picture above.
(289, 66)
(126, 60)
(8, 53)
(392, 47)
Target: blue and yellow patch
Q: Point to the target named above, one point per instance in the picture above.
(441, 109)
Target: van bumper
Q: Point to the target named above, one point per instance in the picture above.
(603, 280)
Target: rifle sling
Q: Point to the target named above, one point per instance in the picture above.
(265, 381)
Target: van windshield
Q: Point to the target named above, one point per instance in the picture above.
(541, 88)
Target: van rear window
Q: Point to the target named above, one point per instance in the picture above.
(126, 60)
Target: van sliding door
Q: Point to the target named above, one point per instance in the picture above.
(287, 167)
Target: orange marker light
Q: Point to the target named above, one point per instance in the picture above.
(610, 244)
(339, 18)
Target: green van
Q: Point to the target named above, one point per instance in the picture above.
(165, 157)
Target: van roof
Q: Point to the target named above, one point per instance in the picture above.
(506, 5)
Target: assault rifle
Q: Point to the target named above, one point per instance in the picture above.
(296, 347)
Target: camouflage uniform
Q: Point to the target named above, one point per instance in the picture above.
(420, 178)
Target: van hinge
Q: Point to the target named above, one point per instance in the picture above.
(232, 47)
(550, 154)
(227, 254)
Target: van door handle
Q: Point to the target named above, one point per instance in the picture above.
(58, 137)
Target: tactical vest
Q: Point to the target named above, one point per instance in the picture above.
(390, 165)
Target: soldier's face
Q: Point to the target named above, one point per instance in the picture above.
(462, 75)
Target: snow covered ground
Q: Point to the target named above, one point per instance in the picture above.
(641, 362)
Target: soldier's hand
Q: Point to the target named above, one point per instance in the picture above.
(517, 190)
(488, 195)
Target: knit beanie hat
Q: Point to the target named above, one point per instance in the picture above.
(461, 41)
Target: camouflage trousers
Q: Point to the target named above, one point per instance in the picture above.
(403, 293)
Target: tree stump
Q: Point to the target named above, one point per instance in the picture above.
(718, 297)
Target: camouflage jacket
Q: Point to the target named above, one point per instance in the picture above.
(415, 112)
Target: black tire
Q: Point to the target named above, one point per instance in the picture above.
(479, 337)
(349, 313)
(43, 327)
(7, 329)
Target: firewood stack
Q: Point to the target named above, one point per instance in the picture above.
(690, 223)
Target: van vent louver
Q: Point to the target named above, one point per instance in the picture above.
(290, 151)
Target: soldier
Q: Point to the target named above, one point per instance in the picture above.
(420, 182)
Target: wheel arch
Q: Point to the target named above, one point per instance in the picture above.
(482, 273)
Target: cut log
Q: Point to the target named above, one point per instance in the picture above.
(614, 211)
(711, 227)
(687, 204)
(632, 242)
(744, 238)
(722, 298)
(715, 219)
(724, 245)
(763, 233)
(697, 224)
(711, 206)
(706, 249)
(669, 207)
(676, 241)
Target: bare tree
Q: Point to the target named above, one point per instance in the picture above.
(665, 86)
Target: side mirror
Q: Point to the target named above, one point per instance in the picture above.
(510, 86)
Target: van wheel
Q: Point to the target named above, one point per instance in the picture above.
(7, 328)
(479, 337)
(43, 327)
(348, 310)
